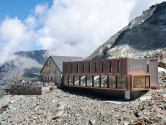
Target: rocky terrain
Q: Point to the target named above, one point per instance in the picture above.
(68, 108)
(22, 64)
(143, 36)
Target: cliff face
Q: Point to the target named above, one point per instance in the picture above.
(145, 35)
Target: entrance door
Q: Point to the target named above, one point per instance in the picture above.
(147, 81)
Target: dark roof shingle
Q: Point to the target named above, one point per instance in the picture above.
(60, 59)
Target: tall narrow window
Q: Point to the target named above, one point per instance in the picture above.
(77, 68)
(118, 65)
(96, 67)
(103, 66)
(54, 70)
(83, 67)
(147, 68)
(44, 70)
(110, 66)
(71, 67)
(65, 80)
(89, 67)
(76, 81)
(49, 61)
(45, 78)
(48, 70)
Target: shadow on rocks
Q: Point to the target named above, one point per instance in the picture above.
(93, 94)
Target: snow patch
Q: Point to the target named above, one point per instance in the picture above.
(161, 70)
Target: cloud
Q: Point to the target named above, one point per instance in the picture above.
(14, 36)
(77, 28)
(69, 27)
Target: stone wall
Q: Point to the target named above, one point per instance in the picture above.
(25, 90)
(56, 77)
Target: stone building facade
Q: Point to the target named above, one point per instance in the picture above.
(52, 70)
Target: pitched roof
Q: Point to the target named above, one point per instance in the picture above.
(60, 59)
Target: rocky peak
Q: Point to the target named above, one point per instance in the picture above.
(145, 35)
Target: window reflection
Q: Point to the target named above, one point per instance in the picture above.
(76, 81)
(112, 81)
(65, 80)
(139, 82)
(96, 81)
(104, 81)
(83, 78)
(89, 81)
(70, 80)
(120, 82)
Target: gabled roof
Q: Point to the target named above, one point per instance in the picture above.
(58, 60)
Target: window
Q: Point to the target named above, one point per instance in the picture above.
(89, 67)
(83, 80)
(96, 81)
(89, 81)
(54, 70)
(45, 78)
(118, 65)
(54, 78)
(48, 78)
(76, 83)
(139, 82)
(65, 80)
(44, 70)
(147, 68)
(103, 66)
(104, 81)
(77, 68)
(70, 80)
(120, 82)
(48, 70)
(49, 61)
(147, 82)
(96, 67)
(110, 66)
(83, 67)
(112, 81)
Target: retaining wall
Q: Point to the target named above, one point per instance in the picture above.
(25, 90)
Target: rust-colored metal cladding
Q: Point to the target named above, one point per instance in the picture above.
(153, 70)
(115, 74)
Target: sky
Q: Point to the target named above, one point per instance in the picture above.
(64, 27)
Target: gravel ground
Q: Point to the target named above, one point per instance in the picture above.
(64, 108)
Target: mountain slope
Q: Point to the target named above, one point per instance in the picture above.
(22, 64)
(145, 35)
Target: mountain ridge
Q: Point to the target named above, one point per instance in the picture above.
(138, 31)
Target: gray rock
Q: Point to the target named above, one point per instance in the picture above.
(138, 113)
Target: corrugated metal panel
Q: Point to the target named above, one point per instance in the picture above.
(92, 67)
(136, 66)
(153, 69)
(123, 66)
(60, 59)
(86, 67)
(114, 66)
(107, 67)
(64, 68)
